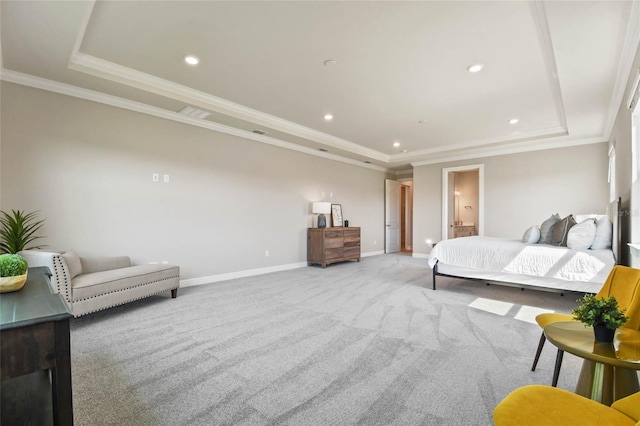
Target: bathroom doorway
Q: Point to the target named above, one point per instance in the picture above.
(462, 203)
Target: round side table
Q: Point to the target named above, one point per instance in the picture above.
(609, 370)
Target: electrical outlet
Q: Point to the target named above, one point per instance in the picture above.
(266, 253)
(155, 177)
(375, 242)
(165, 262)
(166, 178)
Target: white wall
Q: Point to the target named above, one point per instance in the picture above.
(621, 137)
(87, 168)
(520, 190)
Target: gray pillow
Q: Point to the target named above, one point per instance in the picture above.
(561, 229)
(546, 229)
(73, 263)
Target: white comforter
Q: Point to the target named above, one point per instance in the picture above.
(513, 257)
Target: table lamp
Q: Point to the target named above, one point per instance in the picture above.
(320, 208)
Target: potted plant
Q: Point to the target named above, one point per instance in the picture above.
(13, 272)
(18, 230)
(602, 313)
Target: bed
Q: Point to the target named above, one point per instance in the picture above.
(514, 263)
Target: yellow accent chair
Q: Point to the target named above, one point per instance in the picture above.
(542, 405)
(623, 282)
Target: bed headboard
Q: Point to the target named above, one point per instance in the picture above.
(614, 211)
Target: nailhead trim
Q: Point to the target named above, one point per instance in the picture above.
(128, 300)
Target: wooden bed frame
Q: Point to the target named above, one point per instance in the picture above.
(614, 212)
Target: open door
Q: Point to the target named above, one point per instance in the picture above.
(392, 203)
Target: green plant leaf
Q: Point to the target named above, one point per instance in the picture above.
(600, 310)
(18, 231)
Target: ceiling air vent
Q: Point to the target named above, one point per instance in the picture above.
(259, 132)
(194, 112)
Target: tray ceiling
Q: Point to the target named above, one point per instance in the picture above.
(387, 71)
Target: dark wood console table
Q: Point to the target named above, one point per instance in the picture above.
(34, 330)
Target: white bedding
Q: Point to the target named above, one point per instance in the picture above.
(513, 261)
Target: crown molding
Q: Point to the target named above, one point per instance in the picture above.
(98, 97)
(494, 144)
(629, 51)
(544, 33)
(108, 70)
(97, 67)
(553, 144)
(466, 151)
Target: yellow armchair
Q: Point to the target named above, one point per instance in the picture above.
(539, 405)
(623, 282)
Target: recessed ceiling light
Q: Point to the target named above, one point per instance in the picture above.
(323, 149)
(396, 144)
(422, 122)
(329, 62)
(191, 60)
(328, 117)
(513, 121)
(259, 132)
(475, 67)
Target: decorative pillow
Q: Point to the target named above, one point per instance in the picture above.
(561, 229)
(604, 234)
(580, 236)
(546, 229)
(582, 217)
(73, 263)
(531, 235)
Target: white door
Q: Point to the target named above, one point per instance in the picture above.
(392, 195)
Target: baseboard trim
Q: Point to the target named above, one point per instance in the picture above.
(240, 274)
(253, 272)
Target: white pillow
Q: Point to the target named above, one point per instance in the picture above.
(582, 217)
(531, 235)
(72, 260)
(604, 234)
(581, 236)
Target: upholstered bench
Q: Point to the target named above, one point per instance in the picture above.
(93, 284)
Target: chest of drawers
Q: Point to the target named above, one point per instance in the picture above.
(331, 245)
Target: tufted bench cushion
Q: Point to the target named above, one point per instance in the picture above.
(94, 284)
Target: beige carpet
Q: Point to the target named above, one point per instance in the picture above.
(356, 343)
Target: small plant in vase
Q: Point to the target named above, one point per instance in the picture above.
(602, 313)
(13, 272)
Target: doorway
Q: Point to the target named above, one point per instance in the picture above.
(398, 216)
(462, 201)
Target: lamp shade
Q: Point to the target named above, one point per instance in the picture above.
(321, 207)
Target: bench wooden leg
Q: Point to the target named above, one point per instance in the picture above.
(174, 293)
